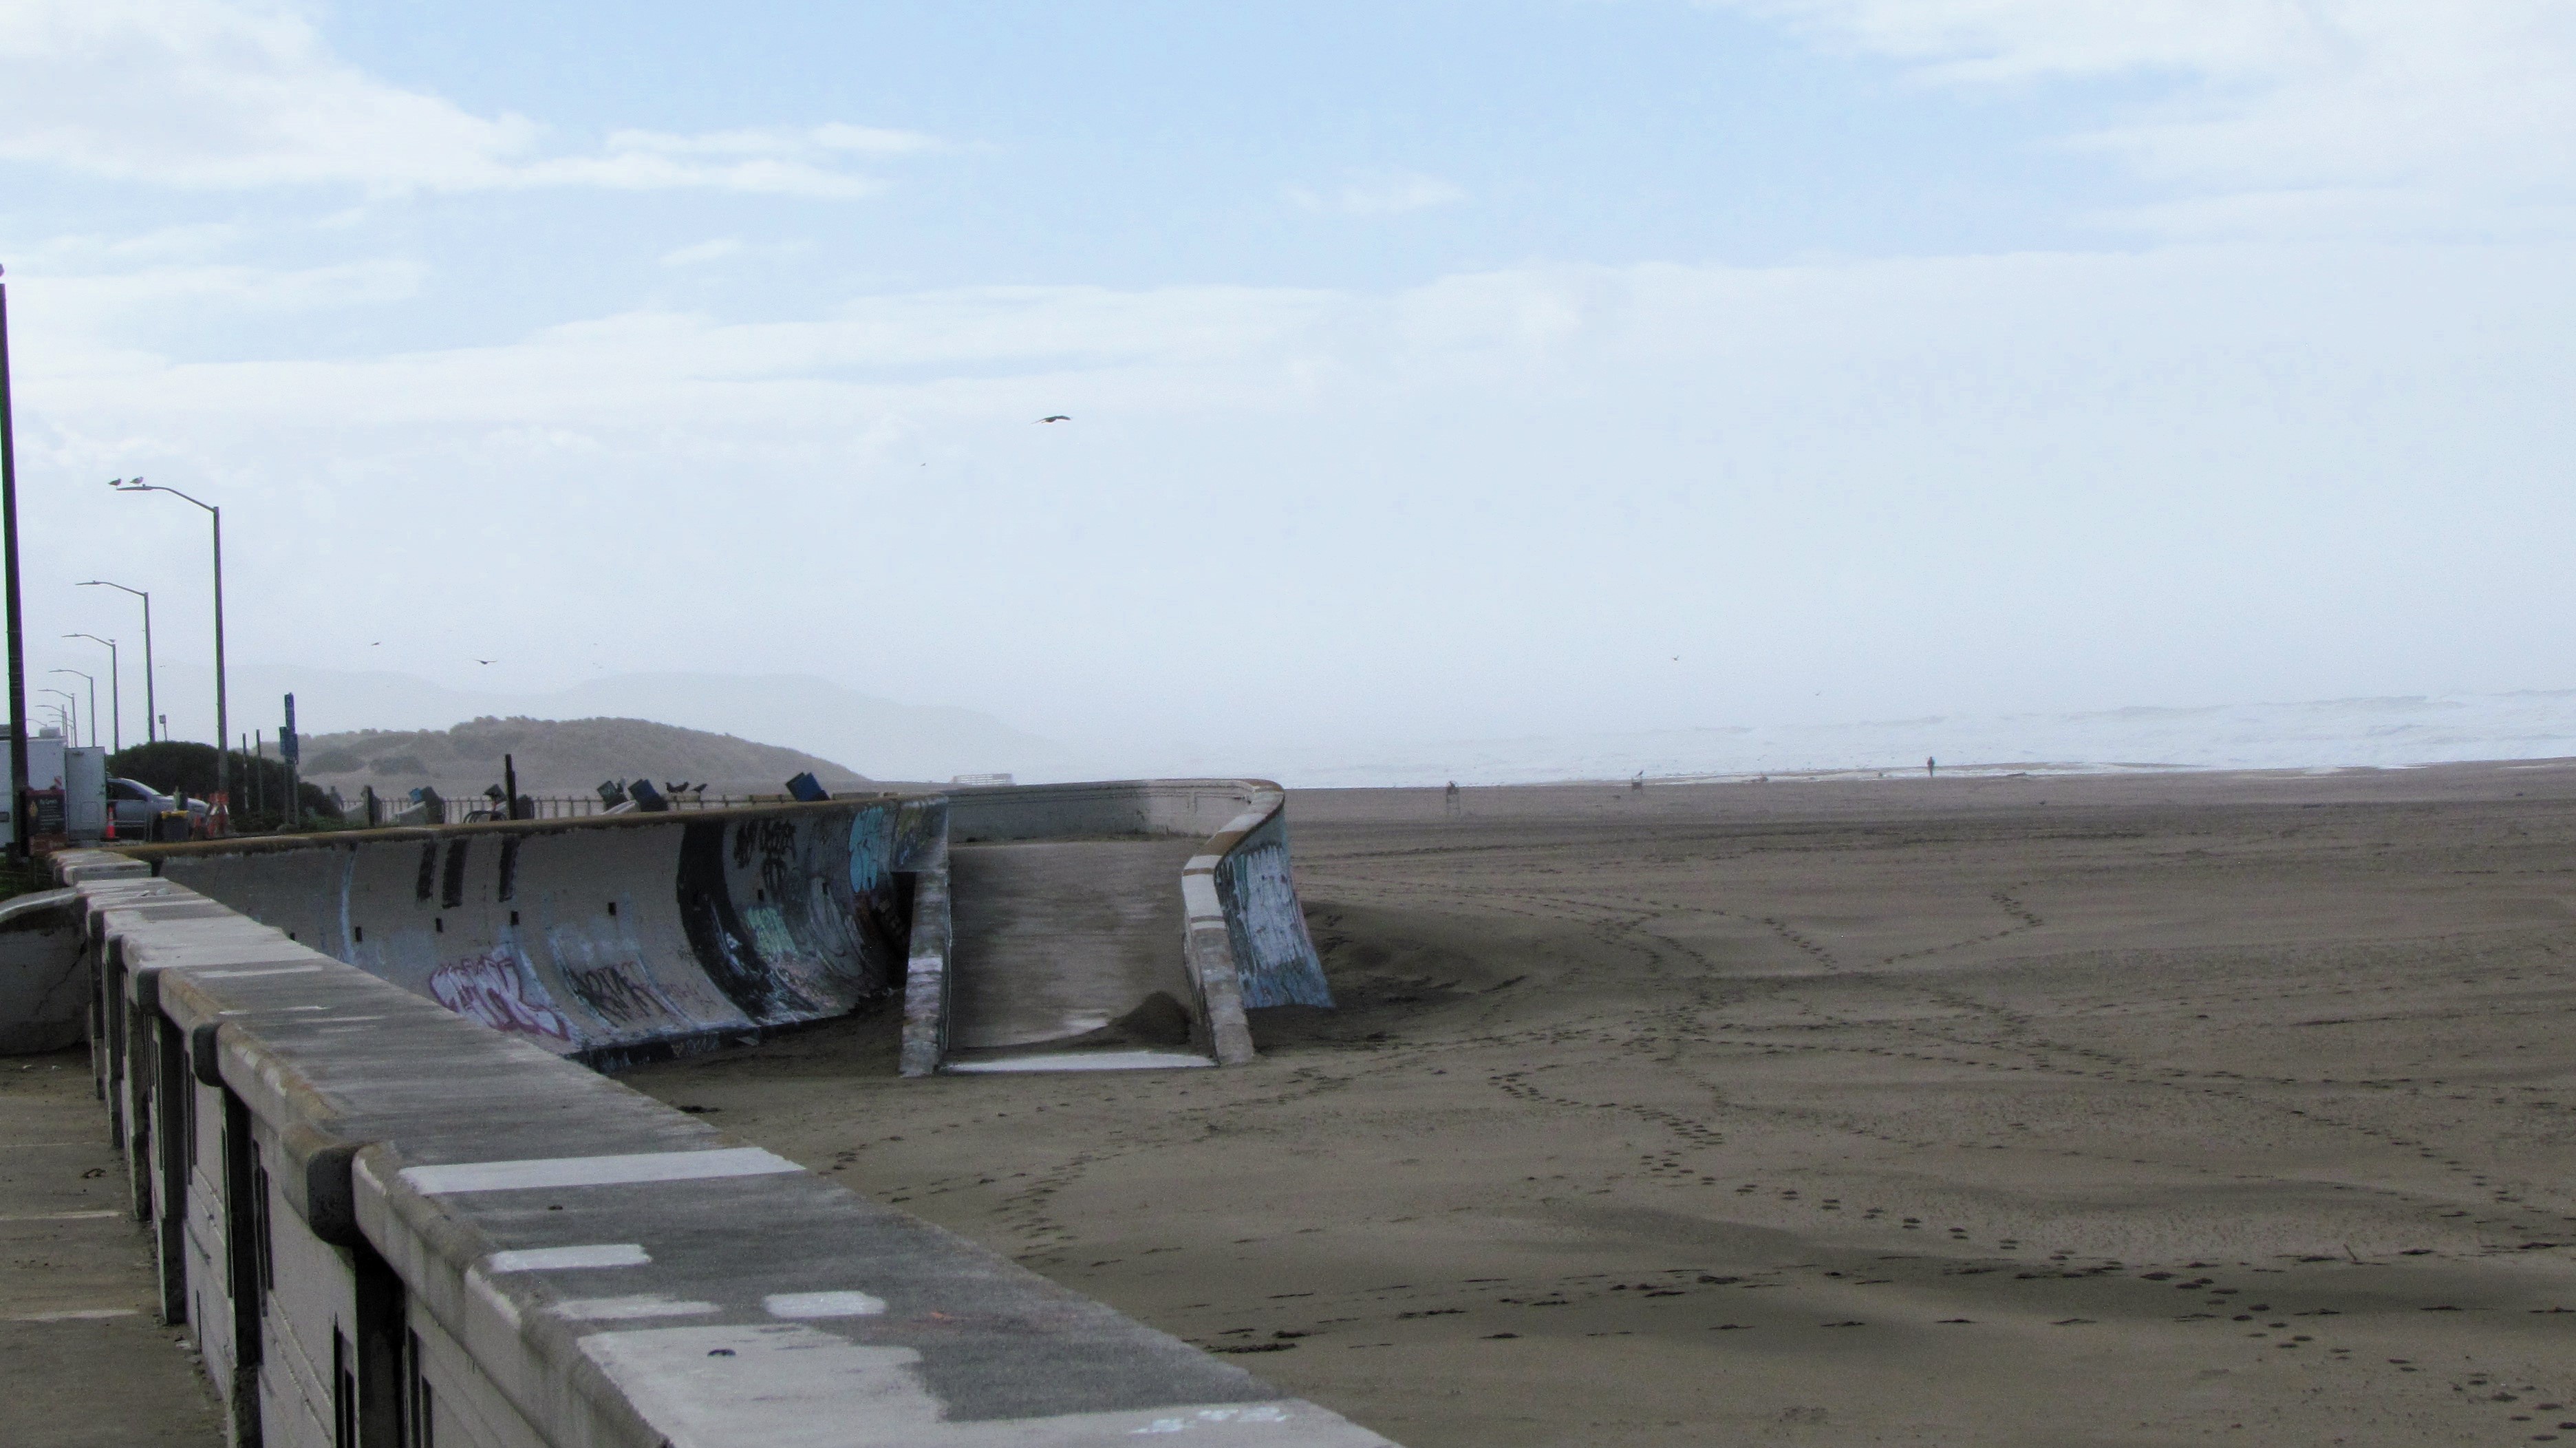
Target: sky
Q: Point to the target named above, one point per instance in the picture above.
(1433, 370)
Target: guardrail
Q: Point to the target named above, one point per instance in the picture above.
(389, 1226)
(392, 809)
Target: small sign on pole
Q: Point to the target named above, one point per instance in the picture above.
(290, 750)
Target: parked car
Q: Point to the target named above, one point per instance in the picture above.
(136, 805)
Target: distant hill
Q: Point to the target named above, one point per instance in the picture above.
(557, 757)
(888, 740)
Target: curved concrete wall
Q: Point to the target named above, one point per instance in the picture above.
(606, 939)
(385, 1225)
(1036, 926)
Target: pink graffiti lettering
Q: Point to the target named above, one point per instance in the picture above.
(490, 989)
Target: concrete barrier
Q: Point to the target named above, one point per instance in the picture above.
(1084, 925)
(388, 1225)
(1125, 923)
(610, 939)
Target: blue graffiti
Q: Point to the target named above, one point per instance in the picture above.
(871, 849)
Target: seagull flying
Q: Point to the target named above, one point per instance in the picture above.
(485, 661)
(1058, 417)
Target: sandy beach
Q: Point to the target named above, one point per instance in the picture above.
(2143, 1109)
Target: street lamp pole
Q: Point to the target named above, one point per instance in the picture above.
(71, 719)
(151, 704)
(93, 701)
(21, 843)
(115, 697)
(223, 720)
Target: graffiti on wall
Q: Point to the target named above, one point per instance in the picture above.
(491, 988)
(1272, 952)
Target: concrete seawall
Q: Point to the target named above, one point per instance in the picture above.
(388, 1225)
(613, 939)
(1086, 925)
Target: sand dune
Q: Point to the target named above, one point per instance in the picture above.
(2134, 1110)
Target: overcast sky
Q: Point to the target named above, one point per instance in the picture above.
(1435, 369)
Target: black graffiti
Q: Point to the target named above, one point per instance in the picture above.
(616, 996)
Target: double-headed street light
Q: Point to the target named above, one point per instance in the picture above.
(223, 720)
(151, 706)
(93, 701)
(115, 697)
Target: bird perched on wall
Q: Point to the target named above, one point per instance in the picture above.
(1059, 417)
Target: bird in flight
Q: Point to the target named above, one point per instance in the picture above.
(1058, 417)
(484, 661)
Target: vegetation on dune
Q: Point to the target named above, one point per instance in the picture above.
(259, 785)
(558, 756)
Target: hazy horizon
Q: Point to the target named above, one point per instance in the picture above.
(892, 739)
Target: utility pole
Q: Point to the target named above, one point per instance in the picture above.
(20, 827)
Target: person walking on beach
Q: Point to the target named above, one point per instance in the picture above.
(1449, 797)
(1931, 767)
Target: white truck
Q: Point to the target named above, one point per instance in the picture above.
(66, 790)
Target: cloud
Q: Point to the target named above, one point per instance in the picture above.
(1387, 193)
(206, 94)
(2393, 113)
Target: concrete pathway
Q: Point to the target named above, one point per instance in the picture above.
(82, 1359)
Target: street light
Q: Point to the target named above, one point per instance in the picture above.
(93, 701)
(115, 696)
(223, 720)
(151, 707)
(71, 720)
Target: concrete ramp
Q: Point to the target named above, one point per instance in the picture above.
(1066, 942)
(1124, 924)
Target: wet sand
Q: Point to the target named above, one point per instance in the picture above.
(2134, 1110)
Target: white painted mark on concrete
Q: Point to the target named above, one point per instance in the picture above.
(822, 1304)
(619, 1309)
(250, 974)
(596, 1171)
(1080, 1061)
(784, 1385)
(68, 1216)
(557, 1259)
(83, 1314)
(1257, 1413)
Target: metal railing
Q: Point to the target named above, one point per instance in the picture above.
(399, 809)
